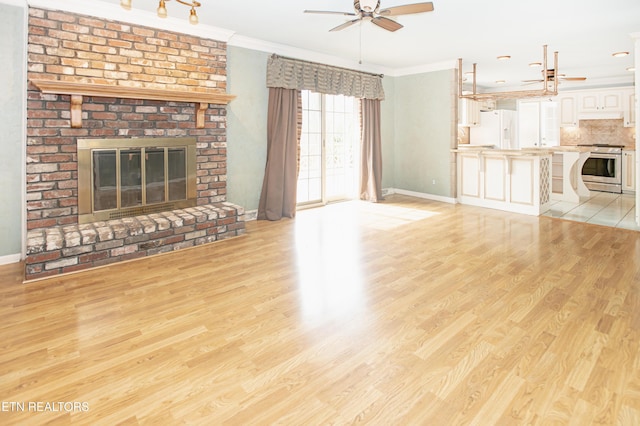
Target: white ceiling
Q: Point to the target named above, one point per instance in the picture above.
(584, 32)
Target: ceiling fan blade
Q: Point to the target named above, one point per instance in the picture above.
(386, 23)
(407, 9)
(573, 78)
(328, 12)
(345, 25)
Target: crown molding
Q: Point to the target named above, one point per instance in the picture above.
(303, 54)
(420, 69)
(20, 3)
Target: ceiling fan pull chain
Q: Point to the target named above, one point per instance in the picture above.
(360, 46)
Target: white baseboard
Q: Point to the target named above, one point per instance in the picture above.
(389, 191)
(250, 215)
(11, 258)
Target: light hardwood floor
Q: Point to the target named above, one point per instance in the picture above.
(399, 313)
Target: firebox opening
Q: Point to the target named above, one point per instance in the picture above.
(128, 177)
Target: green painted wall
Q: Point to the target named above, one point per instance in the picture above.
(246, 125)
(387, 128)
(424, 134)
(12, 99)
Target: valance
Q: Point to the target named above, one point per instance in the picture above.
(302, 75)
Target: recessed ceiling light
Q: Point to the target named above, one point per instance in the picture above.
(504, 57)
(535, 64)
(619, 54)
(500, 82)
(631, 69)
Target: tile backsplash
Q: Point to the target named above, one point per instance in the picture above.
(591, 132)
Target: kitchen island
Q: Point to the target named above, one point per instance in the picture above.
(512, 180)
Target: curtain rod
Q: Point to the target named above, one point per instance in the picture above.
(274, 55)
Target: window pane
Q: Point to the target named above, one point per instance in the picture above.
(131, 177)
(315, 101)
(104, 180)
(154, 175)
(177, 174)
(315, 121)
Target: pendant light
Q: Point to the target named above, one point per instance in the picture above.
(162, 8)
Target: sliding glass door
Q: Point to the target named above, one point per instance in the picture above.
(329, 148)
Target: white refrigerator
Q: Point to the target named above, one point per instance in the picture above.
(497, 128)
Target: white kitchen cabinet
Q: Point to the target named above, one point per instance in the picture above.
(628, 170)
(567, 105)
(600, 101)
(629, 113)
(487, 105)
(538, 123)
(468, 113)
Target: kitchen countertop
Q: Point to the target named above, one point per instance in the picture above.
(535, 152)
(522, 151)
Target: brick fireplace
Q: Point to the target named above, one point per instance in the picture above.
(69, 48)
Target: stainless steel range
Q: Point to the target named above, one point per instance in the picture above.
(603, 169)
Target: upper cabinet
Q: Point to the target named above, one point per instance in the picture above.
(538, 120)
(599, 103)
(487, 105)
(468, 113)
(629, 105)
(567, 104)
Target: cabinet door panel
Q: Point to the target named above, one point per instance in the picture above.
(611, 102)
(521, 175)
(568, 116)
(628, 171)
(470, 175)
(494, 178)
(589, 102)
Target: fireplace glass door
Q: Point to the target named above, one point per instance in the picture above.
(138, 176)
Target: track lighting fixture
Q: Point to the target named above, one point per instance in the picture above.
(162, 8)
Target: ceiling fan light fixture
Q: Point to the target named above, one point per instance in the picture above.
(162, 9)
(369, 5)
(193, 16)
(619, 54)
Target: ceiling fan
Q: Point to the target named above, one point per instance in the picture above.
(369, 10)
(551, 75)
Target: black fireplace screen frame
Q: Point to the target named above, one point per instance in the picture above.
(117, 177)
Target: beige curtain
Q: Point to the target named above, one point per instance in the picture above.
(371, 154)
(278, 197)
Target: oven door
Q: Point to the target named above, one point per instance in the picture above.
(603, 168)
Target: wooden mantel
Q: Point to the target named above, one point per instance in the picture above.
(78, 90)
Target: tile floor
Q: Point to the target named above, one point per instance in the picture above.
(602, 208)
